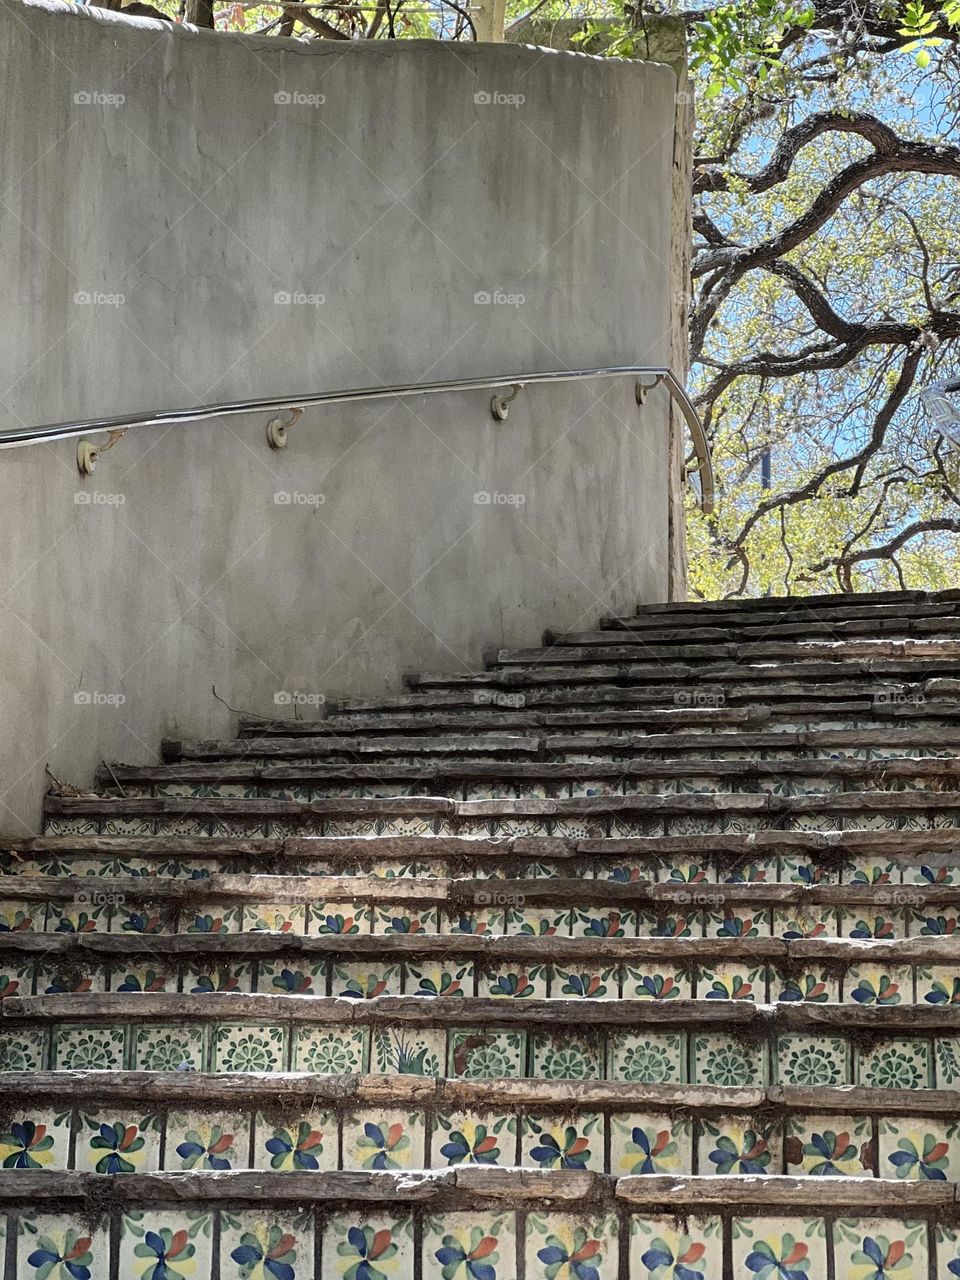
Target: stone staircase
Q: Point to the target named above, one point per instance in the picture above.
(633, 957)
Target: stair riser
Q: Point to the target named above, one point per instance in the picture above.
(318, 1138)
(614, 1241)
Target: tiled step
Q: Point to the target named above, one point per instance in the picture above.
(704, 1042)
(542, 1225)
(578, 816)
(891, 623)
(741, 654)
(130, 1122)
(880, 741)
(209, 954)
(848, 601)
(473, 779)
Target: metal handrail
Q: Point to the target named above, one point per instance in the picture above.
(166, 417)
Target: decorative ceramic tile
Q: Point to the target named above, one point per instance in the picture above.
(334, 1051)
(650, 1144)
(801, 870)
(284, 917)
(938, 985)
(661, 925)
(878, 985)
(303, 1145)
(63, 1247)
(650, 982)
(830, 1146)
(738, 922)
(263, 1243)
(150, 977)
(771, 1248)
(947, 1058)
(245, 1047)
(366, 980)
(865, 924)
(814, 922)
(538, 922)
(721, 1060)
(654, 1058)
(474, 920)
(918, 1149)
(467, 1137)
(601, 923)
(346, 918)
(85, 914)
(948, 1251)
(661, 1250)
(36, 1139)
(108, 1143)
(89, 1048)
(733, 982)
(810, 1060)
(896, 1064)
(143, 918)
(471, 1246)
(925, 924)
(449, 978)
(559, 1144)
(162, 1242)
(212, 917)
(279, 977)
(379, 1139)
(23, 1050)
(869, 1247)
(404, 918)
(517, 981)
(487, 1053)
(16, 979)
(63, 979)
(408, 1051)
(739, 1144)
(168, 1048)
(817, 986)
(218, 977)
(560, 1245)
(566, 1057)
(203, 1141)
(361, 1246)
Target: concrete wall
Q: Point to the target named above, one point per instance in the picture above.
(182, 181)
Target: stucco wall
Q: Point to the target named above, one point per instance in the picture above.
(184, 210)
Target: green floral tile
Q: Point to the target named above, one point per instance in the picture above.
(89, 1048)
(571, 1143)
(115, 1143)
(663, 1249)
(69, 1245)
(566, 1057)
(559, 1243)
(487, 1054)
(654, 1058)
(947, 1062)
(300, 977)
(721, 1060)
(469, 1246)
(830, 1146)
(336, 1051)
(450, 978)
(308, 1144)
(780, 1247)
(35, 1138)
(277, 1246)
(811, 1061)
(384, 1139)
(469, 1137)
(799, 870)
(365, 980)
(245, 1047)
(166, 1242)
(408, 1051)
(168, 1048)
(918, 1150)
(927, 922)
(644, 1144)
(207, 1142)
(143, 918)
(867, 1247)
(896, 1064)
(23, 1050)
(740, 1145)
(361, 1246)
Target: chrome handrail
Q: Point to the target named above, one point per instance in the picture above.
(166, 417)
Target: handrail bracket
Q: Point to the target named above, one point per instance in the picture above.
(500, 405)
(277, 429)
(88, 453)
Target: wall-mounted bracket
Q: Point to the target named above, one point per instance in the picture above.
(277, 429)
(643, 387)
(500, 405)
(88, 453)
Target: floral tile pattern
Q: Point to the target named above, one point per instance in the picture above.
(90, 1048)
(274, 1246)
(487, 1054)
(109, 1143)
(830, 1146)
(918, 1150)
(566, 1057)
(168, 1048)
(660, 1250)
(166, 1243)
(561, 1245)
(38, 1139)
(199, 1141)
(62, 1248)
(480, 1246)
(641, 1144)
(719, 1060)
(654, 1058)
(408, 1051)
(336, 1051)
(384, 1140)
(552, 1144)
(466, 1137)
(244, 1047)
(307, 1144)
(869, 1247)
(778, 1248)
(812, 1060)
(897, 1064)
(365, 1246)
(739, 1145)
